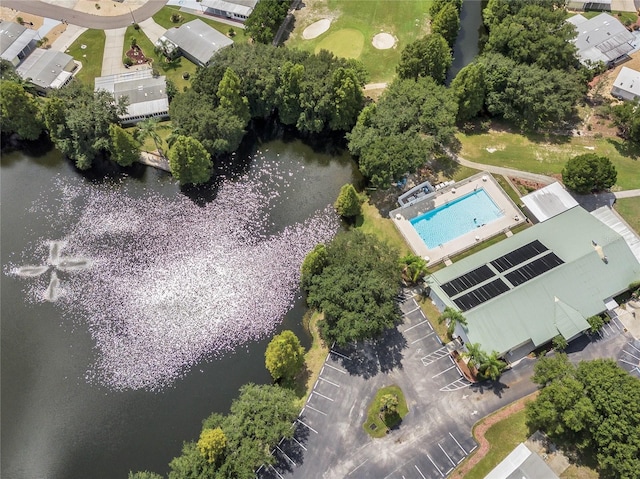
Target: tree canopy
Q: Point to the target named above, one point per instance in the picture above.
(190, 163)
(19, 111)
(589, 172)
(212, 444)
(348, 203)
(427, 56)
(284, 357)
(447, 23)
(399, 133)
(626, 117)
(593, 407)
(124, 148)
(469, 89)
(265, 19)
(356, 289)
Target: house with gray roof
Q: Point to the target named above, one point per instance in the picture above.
(47, 69)
(146, 95)
(545, 281)
(522, 463)
(233, 9)
(196, 40)
(16, 42)
(627, 85)
(601, 39)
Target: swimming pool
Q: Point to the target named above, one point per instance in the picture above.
(456, 218)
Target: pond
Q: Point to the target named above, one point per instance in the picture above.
(146, 308)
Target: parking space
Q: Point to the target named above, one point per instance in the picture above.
(629, 358)
(611, 328)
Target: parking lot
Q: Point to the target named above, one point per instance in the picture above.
(629, 358)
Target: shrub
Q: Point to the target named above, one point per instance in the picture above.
(231, 32)
(559, 343)
(20, 20)
(127, 61)
(134, 42)
(176, 18)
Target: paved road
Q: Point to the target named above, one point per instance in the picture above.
(82, 19)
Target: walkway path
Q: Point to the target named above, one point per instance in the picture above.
(152, 30)
(113, 46)
(43, 9)
(64, 41)
(626, 193)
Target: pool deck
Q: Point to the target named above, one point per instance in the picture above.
(512, 217)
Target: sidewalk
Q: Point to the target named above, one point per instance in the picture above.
(64, 41)
(152, 30)
(630, 317)
(112, 58)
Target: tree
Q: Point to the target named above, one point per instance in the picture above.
(453, 318)
(8, 71)
(413, 267)
(78, 120)
(230, 95)
(284, 357)
(148, 128)
(593, 407)
(125, 150)
(348, 203)
(348, 99)
(475, 354)
(144, 475)
(190, 163)
(265, 19)
(589, 172)
(212, 444)
(469, 89)
(313, 264)
(491, 367)
(356, 289)
(596, 323)
(388, 405)
(427, 56)
(559, 342)
(291, 79)
(447, 23)
(626, 117)
(19, 111)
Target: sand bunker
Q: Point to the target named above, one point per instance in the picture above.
(383, 41)
(316, 29)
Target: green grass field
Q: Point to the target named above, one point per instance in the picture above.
(629, 209)
(503, 437)
(347, 43)
(163, 18)
(90, 56)
(372, 222)
(404, 19)
(374, 425)
(547, 156)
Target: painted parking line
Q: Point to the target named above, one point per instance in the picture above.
(459, 445)
(456, 385)
(434, 356)
(327, 381)
(419, 472)
(416, 325)
(307, 426)
(321, 395)
(337, 369)
(274, 470)
(423, 337)
(285, 455)
(435, 465)
(631, 344)
(445, 453)
(298, 443)
(314, 409)
(633, 356)
(338, 354)
(442, 372)
(413, 310)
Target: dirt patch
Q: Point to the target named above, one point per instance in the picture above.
(481, 429)
(316, 29)
(28, 20)
(527, 186)
(383, 41)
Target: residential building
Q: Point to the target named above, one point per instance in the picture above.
(196, 40)
(146, 95)
(16, 42)
(545, 281)
(601, 39)
(232, 9)
(47, 69)
(627, 85)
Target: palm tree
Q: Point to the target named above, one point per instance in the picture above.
(492, 366)
(453, 317)
(414, 267)
(148, 129)
(475, 353)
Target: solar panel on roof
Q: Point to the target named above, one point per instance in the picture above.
(519, 256)
(467, 280)
(533, 269)
(481, 294)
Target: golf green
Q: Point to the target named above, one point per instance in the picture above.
(346, 43)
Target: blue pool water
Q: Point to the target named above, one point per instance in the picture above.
(456, 218)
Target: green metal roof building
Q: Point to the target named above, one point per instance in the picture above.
(546, 280)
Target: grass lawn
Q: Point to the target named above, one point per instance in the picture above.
(90, 56)
(163, 18)
(390, 421)
(357, 21)
(373, 223)
(172, 70)
(539, 154)
(629, 209)
(314, 358)
(163, 130)
(432, 314)
(503, 437)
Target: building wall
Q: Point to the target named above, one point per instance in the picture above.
(624, 94)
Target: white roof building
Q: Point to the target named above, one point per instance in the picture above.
(601, 39)
(47, 69)
(234, 9)
(16, 42)
(521, 463)
(146, 94)
(627, 84)
(549, 201)
(196, 40)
